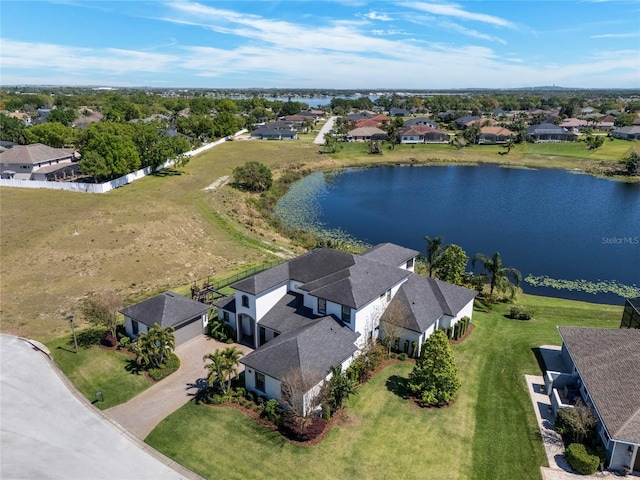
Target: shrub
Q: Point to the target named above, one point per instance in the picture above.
(575, 424)
(171, 364)
(124, 342)
(402, 356)
(240, 392)
(580, 460)
(108, 340)
(272, 410)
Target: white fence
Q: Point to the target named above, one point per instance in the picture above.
(107, 186)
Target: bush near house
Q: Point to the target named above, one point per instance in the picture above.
(580, 460)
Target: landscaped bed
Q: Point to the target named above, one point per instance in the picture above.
(488, 432)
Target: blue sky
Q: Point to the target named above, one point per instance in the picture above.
(355, 44)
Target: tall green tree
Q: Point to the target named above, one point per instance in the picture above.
(498, 275)
(115, 155)
(434, 379)
(253, 176)
(632, 162)
(434, 249)
(451, 264)
(53, 134)
(12, 129)
(65, 116)
(153, 347)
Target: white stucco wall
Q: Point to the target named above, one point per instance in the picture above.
(271, 385)
(267, 300)
(128, 327)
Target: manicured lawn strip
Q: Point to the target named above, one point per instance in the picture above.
(490, 432)
(95, 369)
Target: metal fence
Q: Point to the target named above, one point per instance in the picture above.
(228, 280)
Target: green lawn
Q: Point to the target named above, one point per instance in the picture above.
(489, 433)
(96, 369)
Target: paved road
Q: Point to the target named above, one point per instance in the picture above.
(324, 130)
(49, 431)
(142, 413)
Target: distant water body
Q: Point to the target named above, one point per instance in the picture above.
(546, 222)
(315, 102)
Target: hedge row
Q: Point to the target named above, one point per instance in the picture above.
(580, 460)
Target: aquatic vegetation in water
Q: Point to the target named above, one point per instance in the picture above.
(300, 208)
(601, 286)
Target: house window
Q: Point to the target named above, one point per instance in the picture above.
(225, 316)
(322, 306)
(263, 335)
(409, 264)
(245, 301)
(260, 381)
(346, 314)
(135, 328)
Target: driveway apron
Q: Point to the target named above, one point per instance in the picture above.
(142, 413)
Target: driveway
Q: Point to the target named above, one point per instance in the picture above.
(324, 130)
(142, 413)
(49, 430)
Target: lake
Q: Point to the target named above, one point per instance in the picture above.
(580, 231)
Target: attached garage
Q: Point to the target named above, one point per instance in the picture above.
(188, 317)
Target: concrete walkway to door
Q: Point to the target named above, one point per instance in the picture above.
(142, 413)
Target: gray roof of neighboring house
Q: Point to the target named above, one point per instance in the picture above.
(422, 300)
(313, 348)
(466, 119)
(288, 314)
(167, 310)
(420, 121)
(34, 154)
(607, 361)
(628, 130)
(547, 128)
(272, 132)
(389, 254)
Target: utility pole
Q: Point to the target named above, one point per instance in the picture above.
(75, 340)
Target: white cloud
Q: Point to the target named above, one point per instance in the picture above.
(616, 35)
(383, 17)
(456, 11)
(470, 32)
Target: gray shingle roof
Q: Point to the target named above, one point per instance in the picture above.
(34, 154)
(288, 314)
(312, 348)
(607, 361)
(389, 254)
(357, 285)
(167, 310)
(422, 301)
(227, 303)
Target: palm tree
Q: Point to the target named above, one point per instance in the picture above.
(231, 356)
(434, 250)
(498, 275)
(223, 367)
(154, 346)
(341, 387)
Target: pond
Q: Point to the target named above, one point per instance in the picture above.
(572, 235)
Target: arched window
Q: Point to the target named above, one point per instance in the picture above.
(245, 301)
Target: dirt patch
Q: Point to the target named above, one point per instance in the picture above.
(218, 183)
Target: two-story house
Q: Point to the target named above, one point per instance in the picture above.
(318, 310)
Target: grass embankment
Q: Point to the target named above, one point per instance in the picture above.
(490, 432)
(166, 231)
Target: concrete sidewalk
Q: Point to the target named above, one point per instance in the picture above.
(326, 128)
(49, 430)
(142, 413)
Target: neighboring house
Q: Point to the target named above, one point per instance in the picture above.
(575, 124)
(364, 134)
(269, 133)
(493, 135)
(467, 121)
(604, 365)
(399, 112)
(627, 133)
(318, 310)
(412, 122)
(631, 313)
(368, 122)
(422, 134)
(188, 317)
(24, 117)
(355, 117)
(36, 162)
(548, 132)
